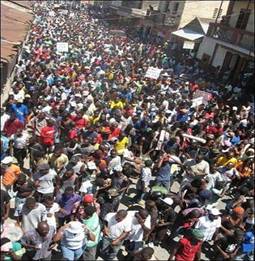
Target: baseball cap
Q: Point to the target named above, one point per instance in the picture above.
(88, 198)
(214, 211)
(168, 201)
(197, 233)
(7, 160)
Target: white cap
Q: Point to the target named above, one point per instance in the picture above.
(118, 168)
(214, 211)
(91, 165)
(168, 201)
(7, 160)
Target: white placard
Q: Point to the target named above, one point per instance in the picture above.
(197, 101)
(62, 47)
(64, 12)
(153, 73)
(51, 13)
(188, 45)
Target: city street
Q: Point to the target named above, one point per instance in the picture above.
(127, 130)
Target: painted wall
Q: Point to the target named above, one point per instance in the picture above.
(219, 56)
(207, 46)
(235, 13)
(202, 9)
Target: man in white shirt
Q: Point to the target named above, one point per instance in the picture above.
(44, 180)
(115, 161)
(201, 168)
(141, 223)
(20, 141)
(209, 223)
(116, 230)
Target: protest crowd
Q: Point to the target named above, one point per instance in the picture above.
(94, 139)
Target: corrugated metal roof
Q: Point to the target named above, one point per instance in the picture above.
(26, 4)
(14, 27)
(188, 34)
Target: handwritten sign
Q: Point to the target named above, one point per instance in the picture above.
(153, 73)
(197, 101)
(188, 45)
(206, 96)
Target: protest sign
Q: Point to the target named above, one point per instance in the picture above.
(207, 96)
(188, 45)
(197, 101)
(62, 47)
(153, 73)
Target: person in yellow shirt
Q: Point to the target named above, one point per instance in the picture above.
(121, 144)
(117, 104)
(224, 160)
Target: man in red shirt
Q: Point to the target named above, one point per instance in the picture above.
(189, 247)
(12, 125)
(48, 134)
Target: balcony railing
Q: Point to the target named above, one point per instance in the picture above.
(238, 37)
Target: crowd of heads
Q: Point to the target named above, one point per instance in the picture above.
(100, 158)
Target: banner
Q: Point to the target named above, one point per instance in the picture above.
(206, 96)
(197, 101)
(188, 45)
(62, 47)
(153, 73)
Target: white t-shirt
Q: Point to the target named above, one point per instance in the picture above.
(21, 142)
(115, 162)
(30, 218)
(46, 185)
(117, 228)
(51, 211)
(201, 168)
(4, 118)
(136, 233)
(208, 227)
(146, 176)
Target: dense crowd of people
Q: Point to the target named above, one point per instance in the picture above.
(102, 161)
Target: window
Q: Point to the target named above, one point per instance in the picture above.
(166, 6)
(215, 12)
(175, 9)
(243, 18)
(220, 13)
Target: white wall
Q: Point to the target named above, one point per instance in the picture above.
(219, 56)
(202, 9)
(207, 46)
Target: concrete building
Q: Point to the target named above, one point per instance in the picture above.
(164, 17)
(191, 35)
(229, 44)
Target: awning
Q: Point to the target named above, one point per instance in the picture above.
(187, 34)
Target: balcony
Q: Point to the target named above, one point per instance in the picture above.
(130, 12)
(234, 36)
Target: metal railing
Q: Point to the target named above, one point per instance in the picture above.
(238, 37)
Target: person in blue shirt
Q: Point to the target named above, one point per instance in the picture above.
(164, 176)
(4, 146)
(20, 110)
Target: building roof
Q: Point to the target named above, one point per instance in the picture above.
(25, 4)
(199, 25)
(14, 27)
(204, 22)
(187, 34)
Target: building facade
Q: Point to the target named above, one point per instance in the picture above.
(229, 44)
(164, 17)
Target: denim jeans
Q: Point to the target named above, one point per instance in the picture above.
(108, 251)
(72, 254)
